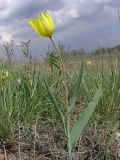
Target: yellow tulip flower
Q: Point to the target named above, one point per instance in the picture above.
(89, 62)
(43, 25)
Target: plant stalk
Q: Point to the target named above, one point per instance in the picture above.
(66, 96)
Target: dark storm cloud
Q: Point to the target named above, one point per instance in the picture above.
(25, 9)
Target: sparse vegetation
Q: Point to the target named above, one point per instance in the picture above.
(29, 125)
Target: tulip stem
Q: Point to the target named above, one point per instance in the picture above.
(63, 71)
(57, 50)
(66, 96)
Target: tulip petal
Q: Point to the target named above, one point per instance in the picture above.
(42, 29)
(49, 18)
(45, 24)
(34, 24)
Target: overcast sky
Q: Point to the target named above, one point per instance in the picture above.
(80, 23)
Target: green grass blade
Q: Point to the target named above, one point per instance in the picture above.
(83, 119)
(77, 90)
(57, 108)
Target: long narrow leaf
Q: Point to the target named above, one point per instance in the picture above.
(83, 119)
(57, 108)
(77, 90)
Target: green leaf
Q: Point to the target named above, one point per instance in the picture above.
(57, 108)
(77, 90)
(83, 119)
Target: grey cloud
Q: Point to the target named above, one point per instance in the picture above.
(112, 3)
(94, 17)
(28, 8)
